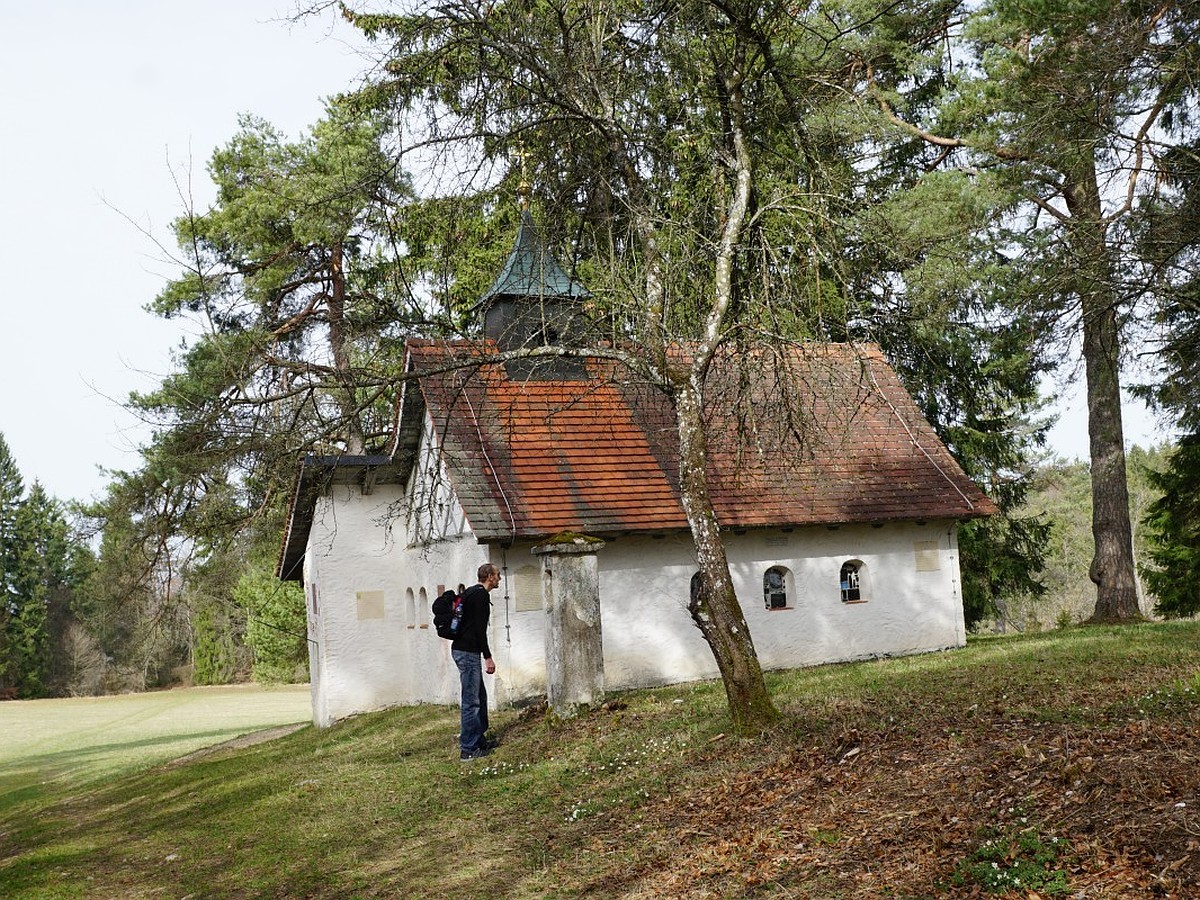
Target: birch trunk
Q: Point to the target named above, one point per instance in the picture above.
(714, 605)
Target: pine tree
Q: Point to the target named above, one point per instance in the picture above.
(1070, 109)
(11, 489)
(1174, 539)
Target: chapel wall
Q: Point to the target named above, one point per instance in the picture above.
(372, 644)
(377, 647)
(911, 602)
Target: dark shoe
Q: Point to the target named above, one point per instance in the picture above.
(474, 754)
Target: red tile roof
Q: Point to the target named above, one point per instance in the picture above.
(814, 434)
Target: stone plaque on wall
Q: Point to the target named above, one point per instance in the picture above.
(929, 558)
(370, 604)
(528, 589)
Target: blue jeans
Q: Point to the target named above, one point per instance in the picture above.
(474, 700)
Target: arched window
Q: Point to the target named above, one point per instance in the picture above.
(423, 605)
(854, 582)
(410, 608)
(778, 592)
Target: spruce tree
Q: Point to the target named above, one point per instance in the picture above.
(40, 565)
(11, 489)
(1173, 575)
(40, 550)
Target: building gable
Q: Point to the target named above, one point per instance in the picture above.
(433, 511)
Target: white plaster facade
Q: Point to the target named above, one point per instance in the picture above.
(371, 572)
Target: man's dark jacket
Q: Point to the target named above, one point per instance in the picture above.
(477, 608)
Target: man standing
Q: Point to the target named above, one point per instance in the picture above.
(473, 657)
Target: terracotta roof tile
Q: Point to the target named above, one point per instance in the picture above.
(819, 434)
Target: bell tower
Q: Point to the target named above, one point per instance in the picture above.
(533, 303)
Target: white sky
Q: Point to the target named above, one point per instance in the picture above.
(103, 103)
(104, 107)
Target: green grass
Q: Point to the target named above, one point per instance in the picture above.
(55, 745)
(651, 795)
(1019, 860)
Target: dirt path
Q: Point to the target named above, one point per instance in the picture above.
(241, 742)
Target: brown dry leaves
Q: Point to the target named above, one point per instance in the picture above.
(891, 812)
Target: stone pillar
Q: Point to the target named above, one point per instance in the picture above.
(574, 645)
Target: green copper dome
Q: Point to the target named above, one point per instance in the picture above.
(532, 270)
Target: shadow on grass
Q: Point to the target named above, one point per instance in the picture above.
(30, 778)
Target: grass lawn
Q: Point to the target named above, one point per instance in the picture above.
(54, 745)
(1062, 764)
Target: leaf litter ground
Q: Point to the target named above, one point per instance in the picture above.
(888, 801)
(1026, 768)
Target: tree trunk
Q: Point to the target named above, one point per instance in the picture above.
(355, 443)
(714, 605)
(1112, 568)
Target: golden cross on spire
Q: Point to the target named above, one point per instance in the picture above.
(524, 189)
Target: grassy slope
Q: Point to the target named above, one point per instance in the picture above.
(1067, 759)
(74, 741)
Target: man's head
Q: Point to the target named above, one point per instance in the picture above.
(489, 576)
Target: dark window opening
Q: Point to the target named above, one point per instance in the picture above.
(851, 582)
(775, 595)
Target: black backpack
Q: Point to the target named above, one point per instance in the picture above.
(447, 615)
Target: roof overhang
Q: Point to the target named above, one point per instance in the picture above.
(317, 474)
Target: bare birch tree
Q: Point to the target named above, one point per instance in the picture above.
(675, 150)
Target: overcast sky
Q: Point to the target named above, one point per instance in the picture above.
(110, 111)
